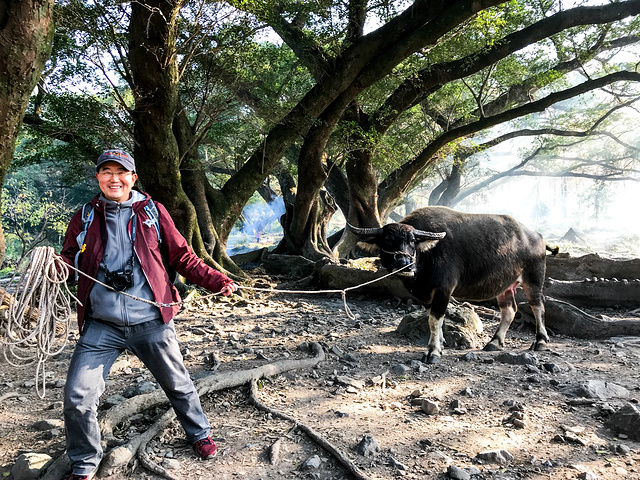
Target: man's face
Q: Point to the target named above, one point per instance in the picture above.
(115, 182)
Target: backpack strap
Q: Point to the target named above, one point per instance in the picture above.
(154, 218)
(87, 218)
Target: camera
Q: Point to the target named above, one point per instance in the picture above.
(119, 280)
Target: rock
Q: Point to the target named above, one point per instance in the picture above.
(400, 369)
(500, 456)
(337, 351)
(551, 367)
(171, 464)
(139, 389)
(461, 328)
(368, 447)
(429, 407)
(112, 401)
(470, 357)
(620, 449)
(598, 389)
(587, 476)
(350, 382)
(517, 358)
(458, 473)
(48, 424)
(311, 463)
(626, 420)
(28, 466)
(441, 457)
(397, 465)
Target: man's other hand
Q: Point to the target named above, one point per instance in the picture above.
(229, 289)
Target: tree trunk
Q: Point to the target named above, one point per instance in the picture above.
(152, 54)
(203, 197)
(312, 244)
(26, 36)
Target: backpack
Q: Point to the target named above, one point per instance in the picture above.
(87, 218)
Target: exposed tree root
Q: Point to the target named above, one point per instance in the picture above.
(118, 458)
(316, 437)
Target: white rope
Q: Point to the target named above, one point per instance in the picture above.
(342, 292)
(40, 287)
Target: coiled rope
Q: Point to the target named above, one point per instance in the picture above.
(40, 286)
(43, 286)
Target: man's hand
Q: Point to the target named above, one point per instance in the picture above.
(229, 289)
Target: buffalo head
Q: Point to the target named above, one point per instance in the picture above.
(396, 243)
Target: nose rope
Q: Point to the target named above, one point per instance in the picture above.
(397, 254)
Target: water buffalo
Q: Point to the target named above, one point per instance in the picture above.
(469, 256)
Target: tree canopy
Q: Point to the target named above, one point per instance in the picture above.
(366, 100)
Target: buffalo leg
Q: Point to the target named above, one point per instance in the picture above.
(436, 319)
(534, 297)
(508, 308)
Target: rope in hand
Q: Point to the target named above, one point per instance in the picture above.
(40, 287)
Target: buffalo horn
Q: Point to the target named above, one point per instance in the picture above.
(429, 235)
(365, 231)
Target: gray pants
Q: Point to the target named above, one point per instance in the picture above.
(156, 345)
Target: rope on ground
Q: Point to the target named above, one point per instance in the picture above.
(38, 285)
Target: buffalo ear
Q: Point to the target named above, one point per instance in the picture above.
(424, 245)
(369, 245)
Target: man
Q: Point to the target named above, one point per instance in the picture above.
(117, 241)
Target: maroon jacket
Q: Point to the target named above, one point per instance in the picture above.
(150, 253)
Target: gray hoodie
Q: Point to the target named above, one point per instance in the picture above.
(113, 307)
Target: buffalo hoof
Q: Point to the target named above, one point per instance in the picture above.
(430, 358)
(492, 347)
(540, 346)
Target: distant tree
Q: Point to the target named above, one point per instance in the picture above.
(33, 217)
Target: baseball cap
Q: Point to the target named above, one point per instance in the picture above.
(119, 156)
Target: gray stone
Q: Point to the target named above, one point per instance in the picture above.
(29, 465)
(429, 407)
(470, 357)
(336, 350)
(597, 389)
(588, 476)
(139, 389)
(441, 457)
(112, 401)
(458, 473)
(627, 421)
(350, 382)
(400, 369)
(551, 367)
(171, 464)
(397, 465)
(500, 456)
(517, 358)
(368, 447)
(312, 463)
(47, 424)
(461, 328)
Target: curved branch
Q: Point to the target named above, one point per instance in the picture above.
(400, 179)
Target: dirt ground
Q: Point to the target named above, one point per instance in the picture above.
(477, 396)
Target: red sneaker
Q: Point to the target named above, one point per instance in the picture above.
(80, 477)
(206, 448)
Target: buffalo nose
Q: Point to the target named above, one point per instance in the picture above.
(402, 261)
